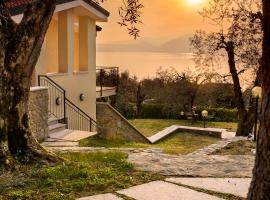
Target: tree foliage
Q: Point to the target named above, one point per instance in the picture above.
(238, 38)
(173, 92)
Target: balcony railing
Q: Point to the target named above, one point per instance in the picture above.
(107, 77)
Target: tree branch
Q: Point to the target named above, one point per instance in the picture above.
(29, 36)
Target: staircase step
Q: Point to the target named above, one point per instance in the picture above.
(78, 135)
(53, 121)
(57, 128)
(56, 136)
(60, 144)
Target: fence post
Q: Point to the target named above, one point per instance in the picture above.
(65, 116)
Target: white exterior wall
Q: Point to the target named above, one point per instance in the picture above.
(75, 57)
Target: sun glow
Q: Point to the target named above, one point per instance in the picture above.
(194, 2)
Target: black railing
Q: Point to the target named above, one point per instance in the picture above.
(57, 96)
(107, 77)
(77, 119)
(65, 110)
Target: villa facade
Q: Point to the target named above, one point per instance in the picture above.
(68, 55)
(66, 75)
(66, 82)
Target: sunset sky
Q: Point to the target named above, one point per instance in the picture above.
(161, 19)
(164, 38)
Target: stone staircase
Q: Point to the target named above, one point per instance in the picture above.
(61, 136)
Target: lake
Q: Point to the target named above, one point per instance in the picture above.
(145, 64)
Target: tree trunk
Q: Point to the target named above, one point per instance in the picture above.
(139, 100)
(260, 185)
(20, 46)
(242, 128)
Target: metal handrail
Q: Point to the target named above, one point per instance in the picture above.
(68, 103)
(52, 81)
(86, 115)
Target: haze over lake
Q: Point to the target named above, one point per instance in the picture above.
(143, 57)
(145, 64)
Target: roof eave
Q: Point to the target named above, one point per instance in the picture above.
(101, 16)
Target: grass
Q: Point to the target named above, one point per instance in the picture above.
(243, 147)
(150, 127)
(83, 174)
(178, 143)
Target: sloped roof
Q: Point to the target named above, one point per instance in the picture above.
(17, 7)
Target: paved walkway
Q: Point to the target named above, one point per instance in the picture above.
(177, 189)
(236, 186)
(197, 164)
(218, 171)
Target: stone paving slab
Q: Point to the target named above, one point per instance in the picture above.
(108, 196)
(236, 186)
(160, 190)
(78, 135)
(196, 166)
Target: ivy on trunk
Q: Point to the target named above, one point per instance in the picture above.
(20, 46)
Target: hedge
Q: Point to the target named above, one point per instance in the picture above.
(156, 111)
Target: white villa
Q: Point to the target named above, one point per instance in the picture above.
(67, 64)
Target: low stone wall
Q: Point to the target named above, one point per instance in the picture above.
(38, 112)
(112, 125)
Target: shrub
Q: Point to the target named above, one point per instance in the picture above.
(152, 111)
(157, 111)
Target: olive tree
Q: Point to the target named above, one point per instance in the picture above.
(20, 46)
(238, 38)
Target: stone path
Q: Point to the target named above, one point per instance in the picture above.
(176, 189)
(199, 163)
(236, 186)
(196, 164)
(214, 147)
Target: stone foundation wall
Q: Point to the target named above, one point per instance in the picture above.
(38, 112)
(112, 125)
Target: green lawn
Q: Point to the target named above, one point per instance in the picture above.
(151, 126)
(84, 174)
(178, 143)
